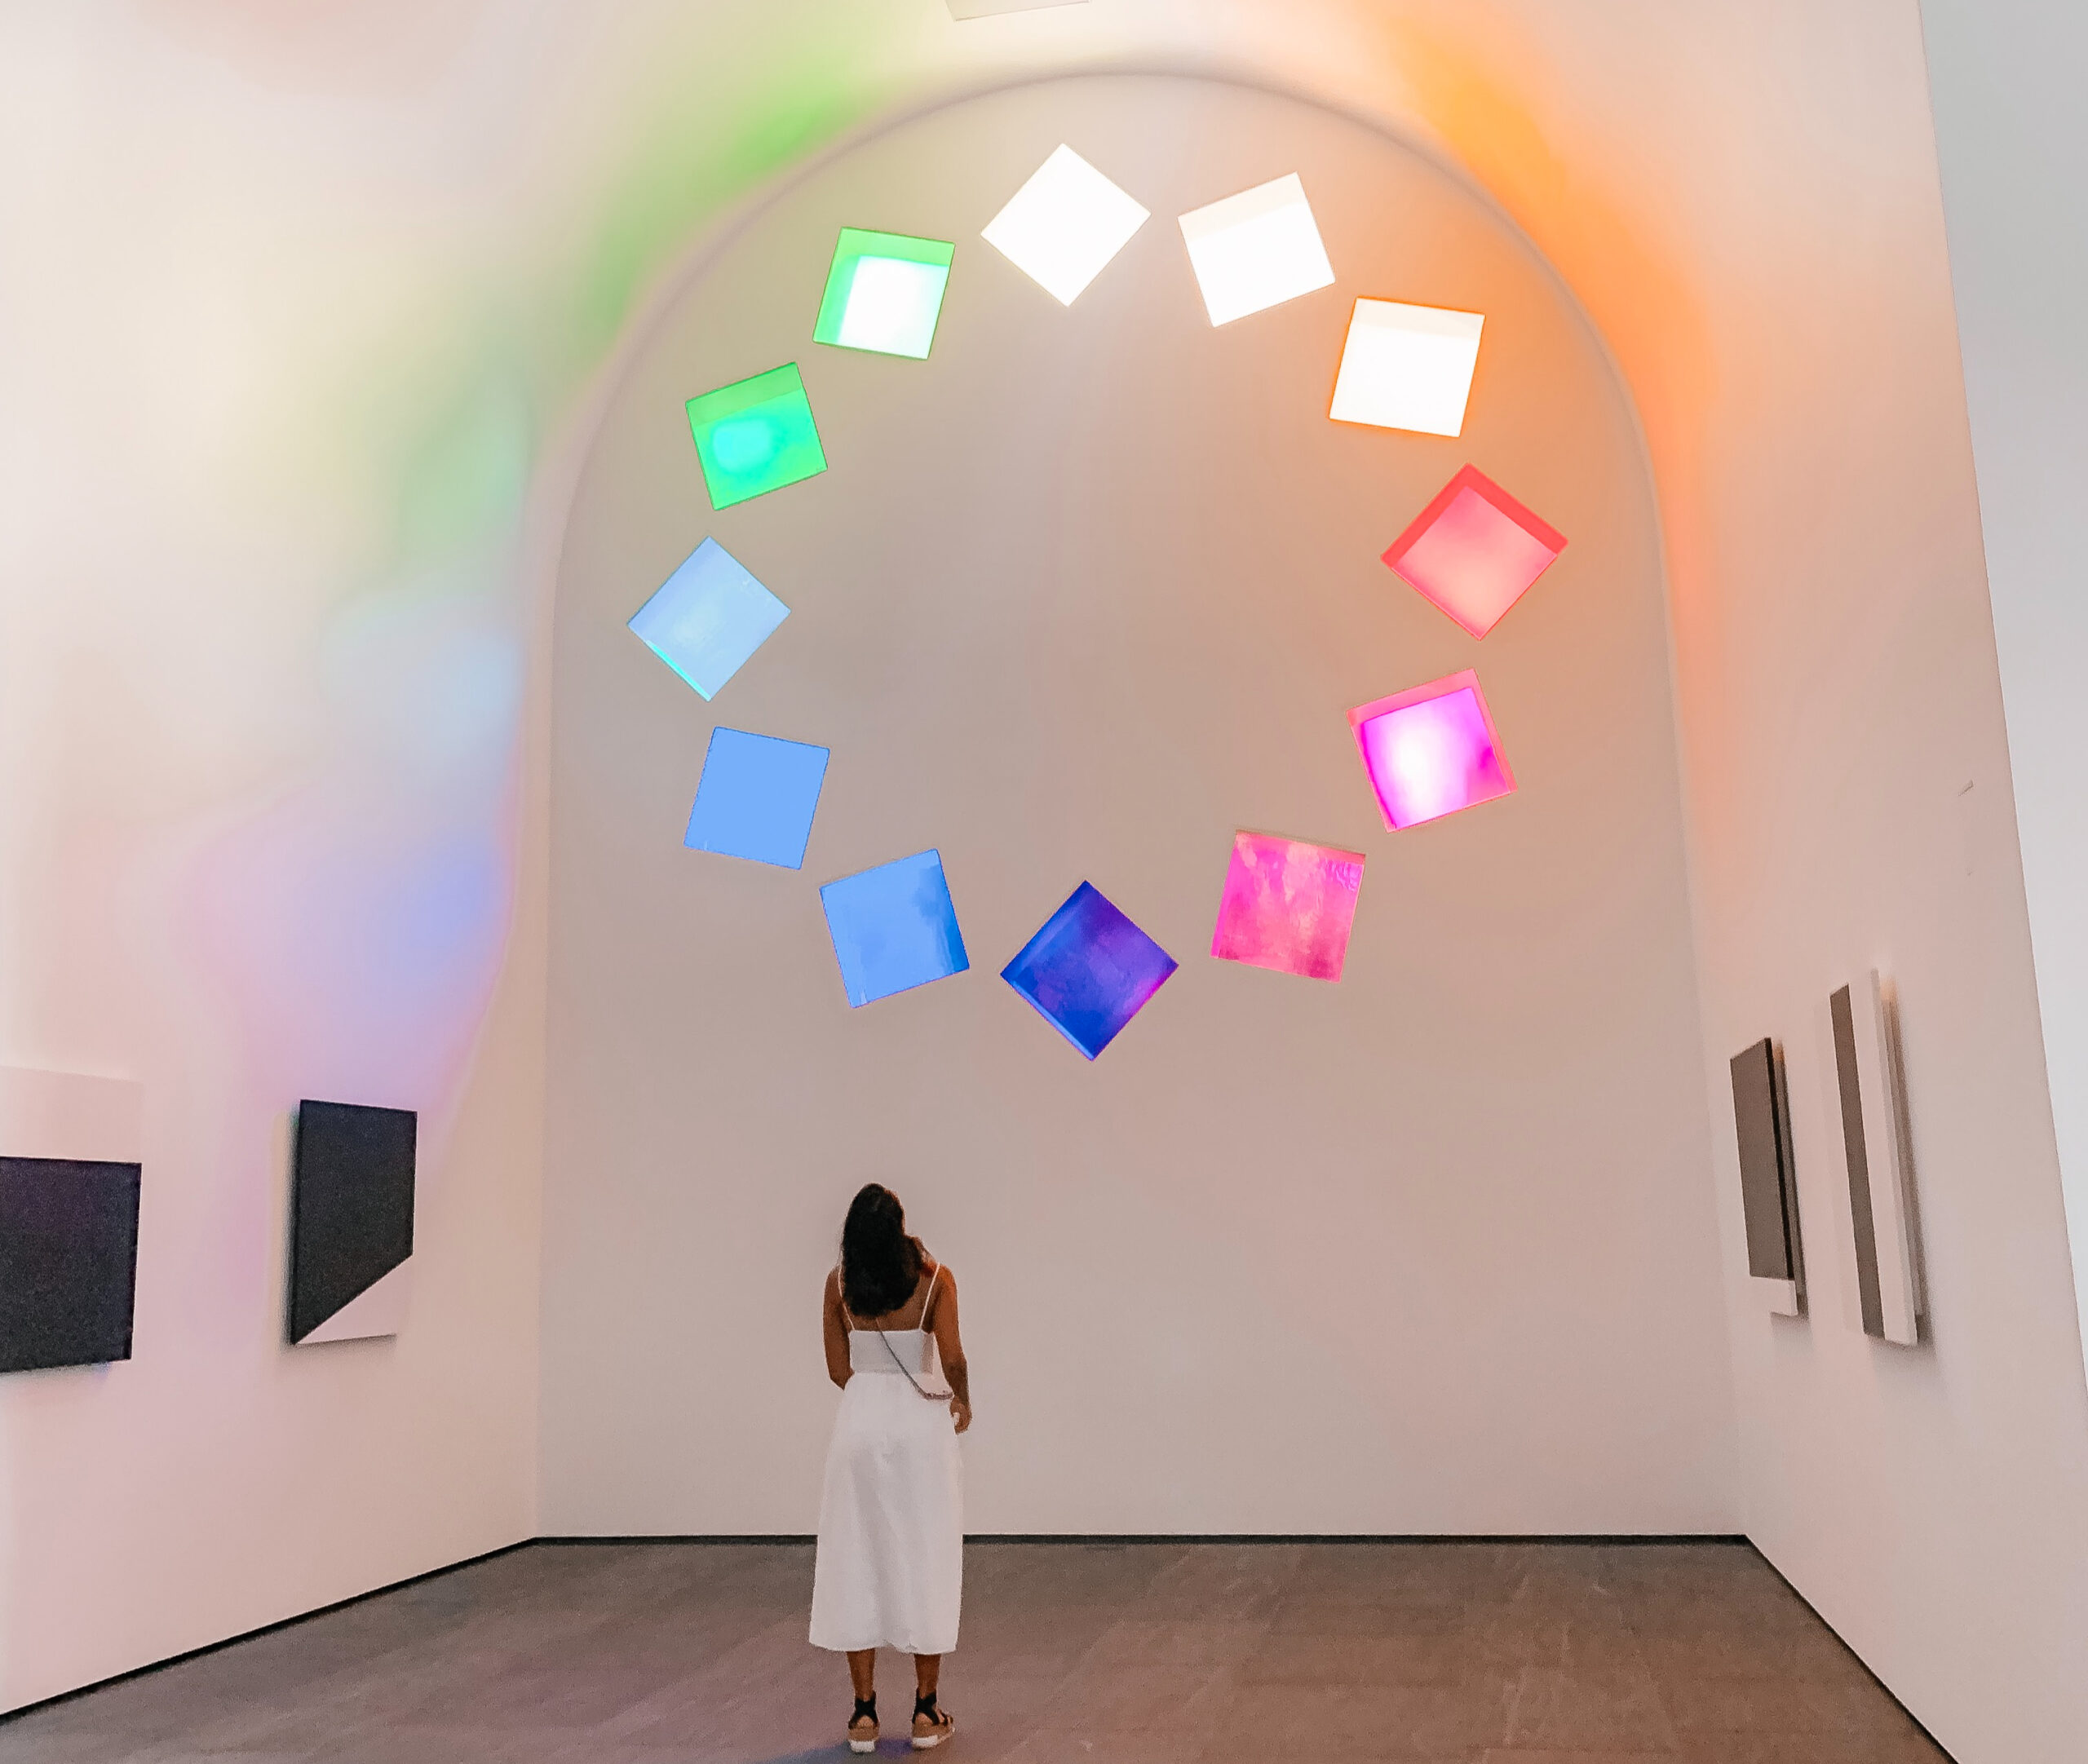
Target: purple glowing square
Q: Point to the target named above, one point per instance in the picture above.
(1431, 751)
(1089, 971)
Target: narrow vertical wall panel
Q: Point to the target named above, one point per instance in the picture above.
(1874, 1144)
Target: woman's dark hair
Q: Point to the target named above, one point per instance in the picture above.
(880, 1264)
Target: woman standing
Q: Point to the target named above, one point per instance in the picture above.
(890, 1570)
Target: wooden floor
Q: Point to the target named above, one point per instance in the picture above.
(1073, 1653)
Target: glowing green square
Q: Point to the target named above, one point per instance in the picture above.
(884, 293)
(755, 435)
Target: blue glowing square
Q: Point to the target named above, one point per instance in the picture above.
(757, 798)
(708, 618)
(894, 927)
(1090, 970)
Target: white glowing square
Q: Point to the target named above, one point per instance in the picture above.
(1064, 225)
(892, 306)
(1407, 367)
(984, 9)
(1256, 249)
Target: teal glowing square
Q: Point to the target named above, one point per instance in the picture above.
(884, 293)
(708, 618)
(757, 798)
(755, 435)
(894, 927)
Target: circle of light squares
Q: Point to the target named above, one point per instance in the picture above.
(1426, 750)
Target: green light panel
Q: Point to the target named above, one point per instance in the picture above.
(884, 293)
(755, 435)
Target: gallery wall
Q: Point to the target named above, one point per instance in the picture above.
(2010, 143)
(1786, 325)
(262, 680)
(1079, 595)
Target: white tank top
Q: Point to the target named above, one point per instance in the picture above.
(909, 1350)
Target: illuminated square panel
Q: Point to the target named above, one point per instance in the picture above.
(884, 293)
(1089, 971)
(755, 435)
(1064, 225)
(1407, 367)
(1474, 550)
(1256, 249)
(1287, 905)
(1431, 751)
(894, 927)
(708, 618)
(757, 798)
(985, 8)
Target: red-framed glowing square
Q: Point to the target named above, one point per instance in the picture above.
(1474, 550)
(1431, 751)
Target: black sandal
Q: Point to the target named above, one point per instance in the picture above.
(932, 1726)
(862, 1739)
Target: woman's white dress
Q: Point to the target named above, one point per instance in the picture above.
(890, 1570)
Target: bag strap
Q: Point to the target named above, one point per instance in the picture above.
(933, 1396)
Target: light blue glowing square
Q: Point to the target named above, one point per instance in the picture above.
(708, 618)
(757, 798)
(894, 927)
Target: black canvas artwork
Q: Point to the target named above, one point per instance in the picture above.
(351, 1206)
(1768, 1181)
(69, 1262)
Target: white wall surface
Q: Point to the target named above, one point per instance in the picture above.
(1432, 1250)
(1792, 352)
(2013, 146)
(260, 808)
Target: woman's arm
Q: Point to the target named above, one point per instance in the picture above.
(833, 1328)
(950, 1346)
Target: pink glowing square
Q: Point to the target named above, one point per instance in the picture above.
(1431, 751)
(1474, 550)
(1287, 905)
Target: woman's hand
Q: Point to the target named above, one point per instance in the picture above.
(960, 1412)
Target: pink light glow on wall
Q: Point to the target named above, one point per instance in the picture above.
(1431, 751)
(1474, 550)
(1287, 905)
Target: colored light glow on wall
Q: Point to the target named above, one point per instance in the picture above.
(894, 927)
(1063, 227)
(884, 293)
(1431, 751)
(708, 618)
(1288, 905)
(1474, 550)
(1256, 249)
(1407, 367)
(755, 435)
(757, 798)
(1089, 971)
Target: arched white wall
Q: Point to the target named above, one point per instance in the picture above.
(1432, 1250)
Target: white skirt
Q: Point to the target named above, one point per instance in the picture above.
(890, 1570)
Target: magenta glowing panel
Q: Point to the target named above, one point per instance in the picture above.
(1431, 751)
(1287, 905)
(1474, 550)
